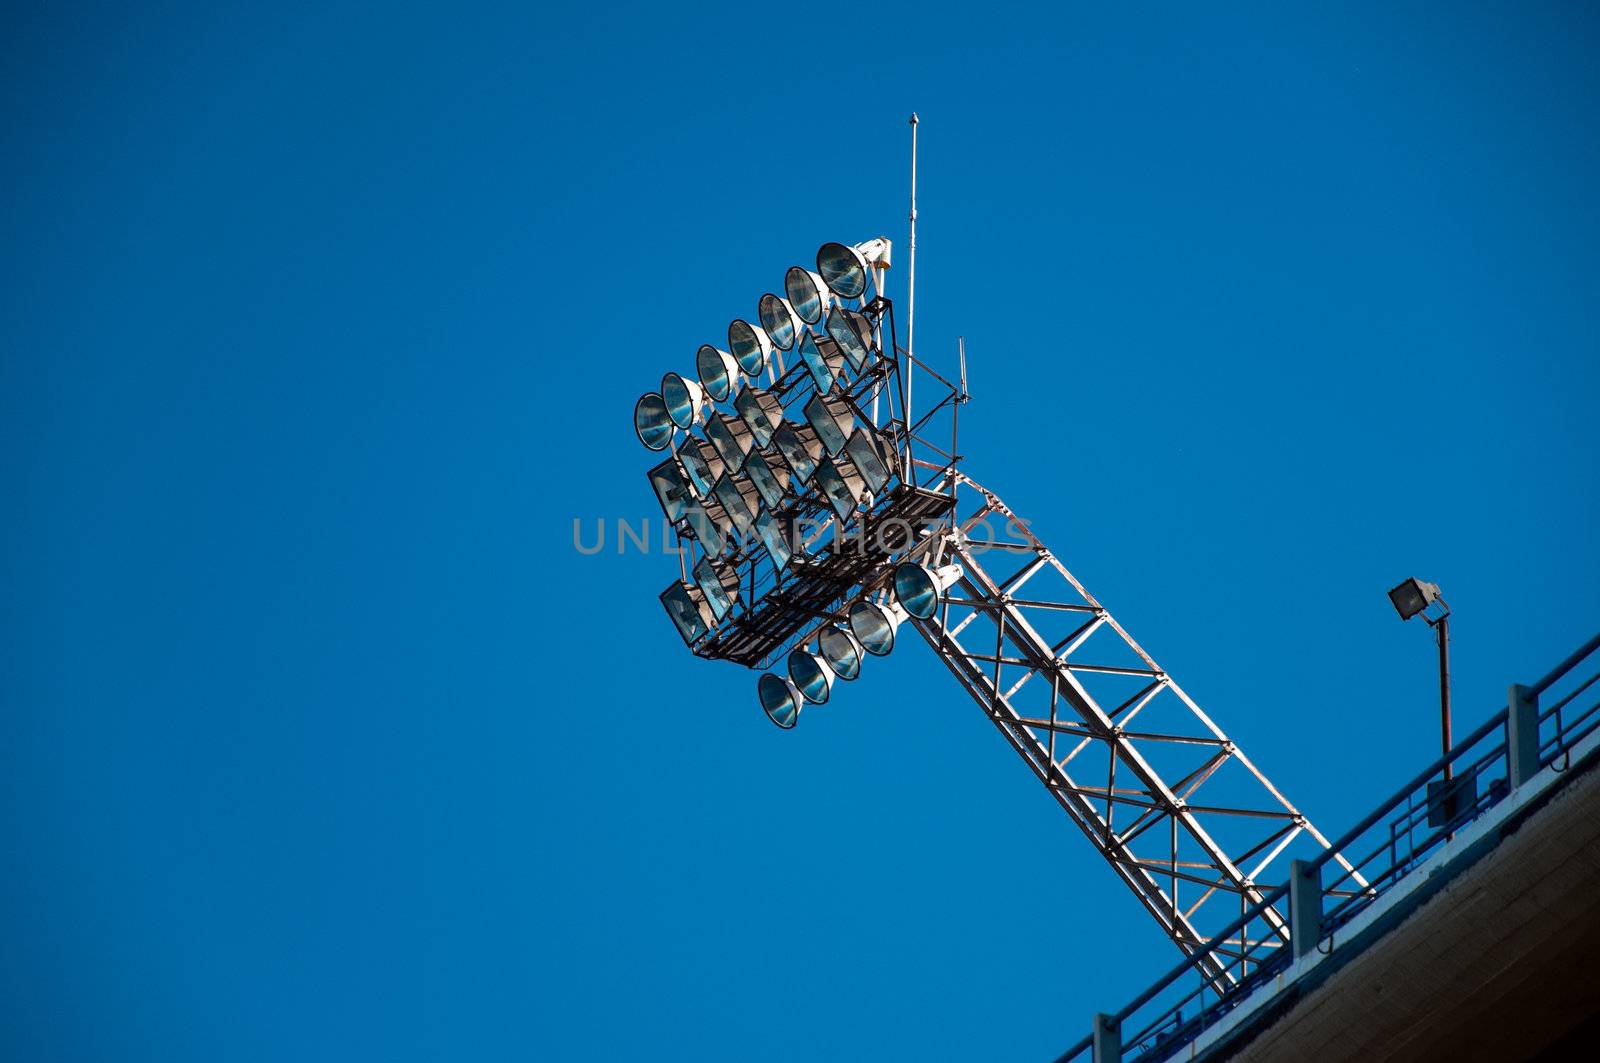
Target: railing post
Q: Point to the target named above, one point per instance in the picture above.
(1522, 734)
(1305, 906)
(1107, 1039)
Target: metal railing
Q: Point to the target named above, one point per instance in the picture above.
(1391, 841)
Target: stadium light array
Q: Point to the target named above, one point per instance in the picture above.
(756, 448)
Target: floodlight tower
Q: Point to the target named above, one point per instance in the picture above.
(815, 526)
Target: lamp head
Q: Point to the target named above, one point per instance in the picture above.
(718, 371)
(779, 699)
(810, 675)
(918, 588)
(779, 320)
(684, 400)
(651, 422)
(1414, 597)
(841, 651)
(751, 346)
(874, 626)
(844, 268)
(807, 293)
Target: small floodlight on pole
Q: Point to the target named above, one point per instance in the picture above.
(1416, 598)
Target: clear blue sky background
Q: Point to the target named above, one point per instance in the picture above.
(322, 323)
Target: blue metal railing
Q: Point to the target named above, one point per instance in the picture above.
(1391, 841)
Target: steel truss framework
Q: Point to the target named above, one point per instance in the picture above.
(1185, 819)
(1190, 825)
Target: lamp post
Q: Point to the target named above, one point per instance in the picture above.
(1416, 598)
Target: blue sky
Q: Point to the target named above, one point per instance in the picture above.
(323, 322)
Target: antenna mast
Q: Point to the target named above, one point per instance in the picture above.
(911, 282)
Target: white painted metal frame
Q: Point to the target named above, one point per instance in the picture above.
(1044, 660)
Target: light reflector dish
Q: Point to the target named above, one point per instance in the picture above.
(751, 346)
(718, 372)
(651, 423)
(874, 626)
(843, 270)
(810, 676)
(918, 588)
(779, 699)
(841, 651)
(807, 293)
(684, 399)
(779, 320)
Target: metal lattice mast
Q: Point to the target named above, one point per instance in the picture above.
(1098, 722)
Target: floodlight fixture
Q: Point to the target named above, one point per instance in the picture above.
(841, 652)
(780, 699)
(706, 521)
(770, 477)
(719, 584)
(685, 400)
(823, 358)
(718, 371)
(807, 293)
(731, 437)
(874, 625)
(867, 459)
(844, 268)
(690, 613)
(701, 463)
(774, 534)
(739, 499)
(1415, 596)
(841, 485)
(853, 333)
(810, 675)
(651, 423)
(762, 411)
(800, 447)
(779, 320)
(917, 587)
(672, 489)
(832, 420)
(751, 346)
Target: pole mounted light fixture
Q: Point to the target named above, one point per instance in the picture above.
(819, 519)
(1416, 597)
